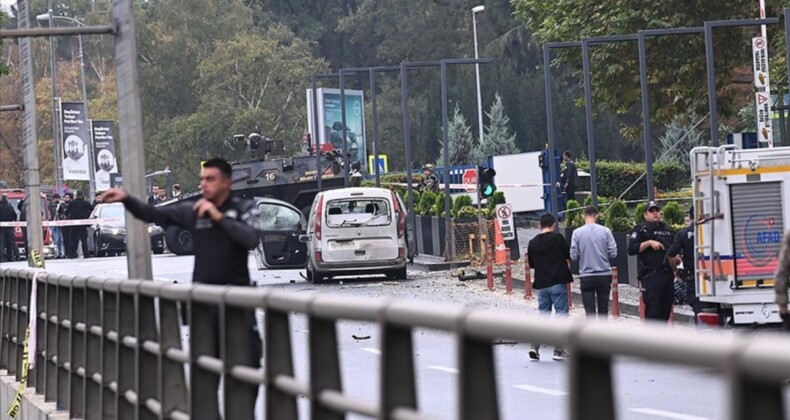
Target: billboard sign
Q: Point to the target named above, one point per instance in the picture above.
(104, 153)
(330, 119)
(74, 124)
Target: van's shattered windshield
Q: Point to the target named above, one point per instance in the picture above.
(355, 212)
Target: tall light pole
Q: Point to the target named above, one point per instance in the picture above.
(481, 230)
(475, 10)
(58, 150)
(50, 17)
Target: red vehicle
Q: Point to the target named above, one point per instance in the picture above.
(14, 197)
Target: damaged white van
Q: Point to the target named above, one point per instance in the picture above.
(356, 231)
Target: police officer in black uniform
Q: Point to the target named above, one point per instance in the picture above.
(650, 241)
(223, 232)
(683, 246)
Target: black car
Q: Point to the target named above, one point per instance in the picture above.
(108, 237)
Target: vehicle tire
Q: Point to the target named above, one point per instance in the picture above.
(97, 246)
(397, 274)
(179, 240)
(315, 277)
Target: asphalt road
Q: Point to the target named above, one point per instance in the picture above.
(527, 389)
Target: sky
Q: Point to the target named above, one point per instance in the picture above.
(6, 4)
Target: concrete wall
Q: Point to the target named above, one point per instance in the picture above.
(33, 406)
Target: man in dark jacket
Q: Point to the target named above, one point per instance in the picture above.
(549, 254)
(63, 212)
(79, 209)
(8, 249)
(569, 177)
(650, 241)
(223, 232)
(682, 250)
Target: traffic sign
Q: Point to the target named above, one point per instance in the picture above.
(470, 180)
(764, 130)
(381, 162)
(504, 218)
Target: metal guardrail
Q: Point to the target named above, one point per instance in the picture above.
(112, 349)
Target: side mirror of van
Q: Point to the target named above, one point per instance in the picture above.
(304, 238)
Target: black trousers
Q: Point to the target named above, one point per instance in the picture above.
(8, 249)
(79, 234)
(691, 294)
(595, 295)
(66, 232)
(659, 294)
(207, 337)
(570, 193)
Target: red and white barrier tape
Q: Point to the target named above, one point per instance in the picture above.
(473, 187)
(76, 222)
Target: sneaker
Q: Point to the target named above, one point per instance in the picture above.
(560, 355)
(533, 354)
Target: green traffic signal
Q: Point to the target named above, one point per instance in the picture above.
(485, 181)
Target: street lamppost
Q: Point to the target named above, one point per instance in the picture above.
(50, 18)
(476, 10)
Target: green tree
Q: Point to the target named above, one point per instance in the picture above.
(674, 63)
(679, 138)
(461, 143)
(498, 139)
(3, 67)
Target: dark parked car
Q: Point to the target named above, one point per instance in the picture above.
(109, 237)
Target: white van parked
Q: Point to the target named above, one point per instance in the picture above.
(356, 231)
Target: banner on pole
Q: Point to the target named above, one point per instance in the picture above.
(330, 122)
(75, 141)
(103, 135)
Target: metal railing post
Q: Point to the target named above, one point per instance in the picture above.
(477, 387)
(5, 314)
(240, 347)
(147, 355)
(203, 339)
(591, 392)
(172, 387)
(398, 385)
(64, 342)
(77, 348)
(93, 349)
(324, 366)
(110, 348)
(51, 345)
(127, 360)
(41, 337)
(278, 356)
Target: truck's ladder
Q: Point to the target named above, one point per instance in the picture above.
(713, 269)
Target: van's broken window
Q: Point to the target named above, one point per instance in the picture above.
(355, 212)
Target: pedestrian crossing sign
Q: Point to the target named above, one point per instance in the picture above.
(381, 162)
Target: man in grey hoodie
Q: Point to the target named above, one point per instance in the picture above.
(593, 245)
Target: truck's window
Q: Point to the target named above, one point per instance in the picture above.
(355, 212)
(277, 217)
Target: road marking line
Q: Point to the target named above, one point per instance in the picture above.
(667, 414)
(444, 369)
(541, 390)
(372, 350)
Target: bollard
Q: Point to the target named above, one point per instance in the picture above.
(527, 278)
(483, 246)
(490, 270)
(508, 274)
(615, 294)
(471, 244)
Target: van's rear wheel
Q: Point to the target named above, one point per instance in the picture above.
(314, 276)
(397, 274)
(179, 240)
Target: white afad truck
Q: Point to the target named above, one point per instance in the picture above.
(742, 203)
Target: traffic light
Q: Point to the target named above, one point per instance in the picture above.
(485, 181)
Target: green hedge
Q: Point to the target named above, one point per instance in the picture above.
(615, 177)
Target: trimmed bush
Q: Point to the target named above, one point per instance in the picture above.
(460, 202)
(615, 177)
(616, 217)
(673, 215)
(497, 198)
(438, 205)
(639, 213)
(466, 211)
(573, 214)
(425, 206)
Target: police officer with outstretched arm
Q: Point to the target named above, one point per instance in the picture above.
(223, 233)
(650, 241)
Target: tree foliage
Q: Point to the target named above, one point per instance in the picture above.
(498, 139)
(461, 142)
(676, 65)
(679, 138)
